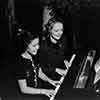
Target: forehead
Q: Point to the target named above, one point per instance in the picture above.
(58, 25)
(35, 41)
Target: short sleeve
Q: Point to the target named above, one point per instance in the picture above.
(20, 69)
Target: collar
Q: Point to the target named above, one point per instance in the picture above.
(26, 55)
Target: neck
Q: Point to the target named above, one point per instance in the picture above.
(26, 55)
(53, 40)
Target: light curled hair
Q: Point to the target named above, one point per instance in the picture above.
(51, 23)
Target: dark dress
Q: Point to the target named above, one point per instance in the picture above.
(24, 70)
(52, 56)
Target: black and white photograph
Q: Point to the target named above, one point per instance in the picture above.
(49, 50)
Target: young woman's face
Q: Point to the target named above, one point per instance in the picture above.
(33, 46)
(57, 30)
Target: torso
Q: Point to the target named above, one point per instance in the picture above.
(24, 69)
(52, 55)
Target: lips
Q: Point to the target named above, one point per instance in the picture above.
(34, 52)
(57, 36)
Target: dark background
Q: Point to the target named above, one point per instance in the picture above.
(83, 21)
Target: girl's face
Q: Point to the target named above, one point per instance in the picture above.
(57, 30)
(33, 46)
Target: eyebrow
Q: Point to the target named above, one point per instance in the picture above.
(58, 29)
(36, 44)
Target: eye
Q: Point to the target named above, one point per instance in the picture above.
(56, 30)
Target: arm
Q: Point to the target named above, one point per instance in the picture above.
(62, 71)
(46, 78)
(28, 90)
(43, 76)
(67, 64)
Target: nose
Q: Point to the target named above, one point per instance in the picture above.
(37, 47)
(60, 33)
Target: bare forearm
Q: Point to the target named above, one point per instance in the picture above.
(29, 90)
(43, 76)
(60, 71)
(34, 91)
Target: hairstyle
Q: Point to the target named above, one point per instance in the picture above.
(25, 40)
(51, 23)
(30, 38)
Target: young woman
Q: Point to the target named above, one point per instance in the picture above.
(27, 70)
(53, 51)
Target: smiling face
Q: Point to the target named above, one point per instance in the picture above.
(33, 46)
(57, 30)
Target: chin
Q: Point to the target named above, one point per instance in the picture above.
(34, 53)
(57, 38)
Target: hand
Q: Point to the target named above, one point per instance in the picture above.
(67, 64)
(55, 83)
(61, 71)
(48, 93)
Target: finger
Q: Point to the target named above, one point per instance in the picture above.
(66, 62)
(54, 84)
(58, 83)
(49, 95)
(63, 74)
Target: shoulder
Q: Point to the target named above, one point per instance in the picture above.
(63, 41)
(21, 61)
(44, 42)
(64, 38)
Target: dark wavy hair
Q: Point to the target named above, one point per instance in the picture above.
(24, 40)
